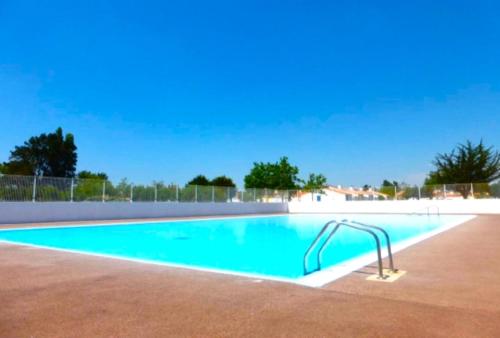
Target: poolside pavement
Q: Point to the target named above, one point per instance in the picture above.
(451, 289)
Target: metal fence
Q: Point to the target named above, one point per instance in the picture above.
(406, 192)
(50, 189)
(429, 192)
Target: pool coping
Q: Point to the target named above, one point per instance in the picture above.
(330, 274)
(314, 280)
(104, 222)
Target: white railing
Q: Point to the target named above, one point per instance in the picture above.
(44, 189)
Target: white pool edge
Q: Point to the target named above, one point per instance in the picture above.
(314, 280)
(135, 222)
(328, 275)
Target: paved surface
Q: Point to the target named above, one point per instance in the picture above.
(452, 289)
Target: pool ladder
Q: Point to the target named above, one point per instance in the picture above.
(428, 210)
(367, 228)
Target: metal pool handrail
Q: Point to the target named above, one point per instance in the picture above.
(313, 244)
(323, 246)
(427, 208)
(387, 239)
(375, 237)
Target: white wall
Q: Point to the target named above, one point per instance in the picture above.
(479, 206)
(27, 212)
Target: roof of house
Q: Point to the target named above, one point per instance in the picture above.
(348, 191)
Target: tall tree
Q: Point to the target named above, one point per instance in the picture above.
(279, 175)
(467, 163)
(222, 181)
(285, 175)
(199, 180)
(52, 154)
(315, 182)
(259, 176)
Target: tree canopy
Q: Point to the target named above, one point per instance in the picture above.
(279, 175)
(387, 183)
(219, 181)
(52, 154)
(315, 182)
(467, 163)
(85, 174)
(223, 181)
(199, 180)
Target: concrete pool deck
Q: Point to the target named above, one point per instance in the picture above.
(452, 288)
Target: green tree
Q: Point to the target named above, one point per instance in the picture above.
(387, 183)
(223, 181)
(52, 154)
(143, 193)
(259, 176)
(85, 174)
(120, 192)
(387, 188)
(315, 182)
(89, 190)
(467, 163)
(199, 180)
(280, 175)
(166, 192)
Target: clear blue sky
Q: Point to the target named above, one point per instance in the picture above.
(357, 90)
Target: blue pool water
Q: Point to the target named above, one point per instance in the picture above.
(270, 246)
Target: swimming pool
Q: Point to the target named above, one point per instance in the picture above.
(265, 246)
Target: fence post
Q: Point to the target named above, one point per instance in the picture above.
(213, 194)
(266, 198)
(254, 194)
(33, 195)
(196, 193)
(156, 192)
(177, 192)
(103, 191)
(71, 193)
(131, 192)
(419, 194)
(395, 192)
(472, 190)
(444, 191)
(228, 190)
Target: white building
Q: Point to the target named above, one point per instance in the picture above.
(339, 193)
